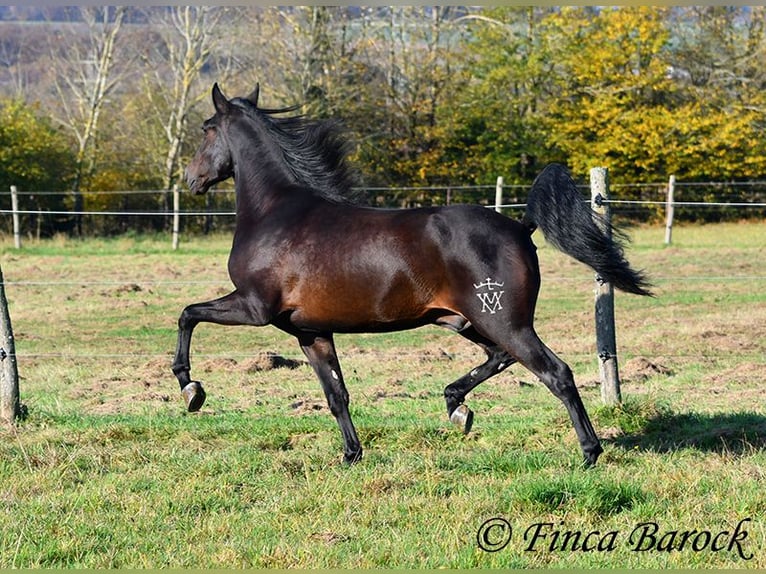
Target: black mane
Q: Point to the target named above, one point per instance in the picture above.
(314, 152)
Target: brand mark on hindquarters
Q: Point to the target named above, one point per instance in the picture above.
(488, 292)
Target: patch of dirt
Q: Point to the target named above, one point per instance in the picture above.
(307, 406)
(125, 289)
(129, 288)
(117, 396)
(710, 334)
(747, 372)
(380, 393)
(151, 396)
(429, 355)
(158, 369)
(637, 370)
(586, 383)
(395, 388)
(640, 369)
(267, 361)
(741, 338)
(214, 365)
(610, 433)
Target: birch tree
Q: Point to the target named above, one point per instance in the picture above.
(308, 52)
(187, 37)
(84, 81)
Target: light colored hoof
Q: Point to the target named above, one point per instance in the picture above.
(462, 417)
(194, 395)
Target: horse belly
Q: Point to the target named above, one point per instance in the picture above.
(362, 303)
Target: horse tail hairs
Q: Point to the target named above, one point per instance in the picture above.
(567, 221)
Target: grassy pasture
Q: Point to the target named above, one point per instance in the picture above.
(109, 471)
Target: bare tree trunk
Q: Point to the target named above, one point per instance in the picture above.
(188, 49)
(188, 36)
(85, 80)
(391, 81)
(316, 81)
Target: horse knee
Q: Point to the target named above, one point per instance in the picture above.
(184, 320)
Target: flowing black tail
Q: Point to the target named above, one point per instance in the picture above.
(567, 221)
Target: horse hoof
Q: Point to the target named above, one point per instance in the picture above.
(462, 417)
(352, 457)
(591, 456)
(194, 395)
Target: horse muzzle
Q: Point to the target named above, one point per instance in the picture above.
(197, 184)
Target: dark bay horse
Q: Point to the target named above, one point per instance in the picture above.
(312, 263)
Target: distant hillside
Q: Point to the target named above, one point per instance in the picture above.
(136, 15)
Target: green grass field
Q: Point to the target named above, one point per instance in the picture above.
(109, 471)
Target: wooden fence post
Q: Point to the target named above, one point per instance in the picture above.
(15, 217)
(499, 193)
(669, 208)
(176, 215)
(606, 340)
(10, 407)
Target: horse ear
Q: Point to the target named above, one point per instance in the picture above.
(219, 100)
(253, 97)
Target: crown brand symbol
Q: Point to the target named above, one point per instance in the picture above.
(488, 283)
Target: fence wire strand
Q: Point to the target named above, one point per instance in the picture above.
(646, 202)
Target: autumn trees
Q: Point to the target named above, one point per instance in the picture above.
(36, 157)
(429, 95)
(652, 92)
(645, 91)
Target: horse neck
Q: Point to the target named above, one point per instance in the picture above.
(260, 178)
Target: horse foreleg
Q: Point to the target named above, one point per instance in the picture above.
(232, 309)
(454, 394)
(320, 351)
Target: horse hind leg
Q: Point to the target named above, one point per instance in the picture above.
(320, 351)
(454, 394)
(555, 374)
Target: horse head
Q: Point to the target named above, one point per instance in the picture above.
(213, 161)
(281, 149)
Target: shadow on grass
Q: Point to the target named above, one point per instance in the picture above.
(725, 433)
